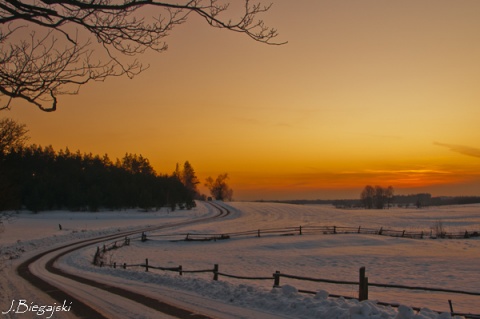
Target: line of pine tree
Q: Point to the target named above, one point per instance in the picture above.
(38, 178)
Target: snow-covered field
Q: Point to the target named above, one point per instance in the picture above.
(436, 263)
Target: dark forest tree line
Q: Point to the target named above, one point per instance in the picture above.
(379, 197)
(39, 178)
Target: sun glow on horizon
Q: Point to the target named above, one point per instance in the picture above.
(364, 93)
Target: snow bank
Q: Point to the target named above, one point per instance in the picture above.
(284, 301)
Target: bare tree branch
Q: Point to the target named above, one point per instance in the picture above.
(56, 61)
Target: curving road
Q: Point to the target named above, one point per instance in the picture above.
(87, 297)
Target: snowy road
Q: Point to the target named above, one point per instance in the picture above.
(88, 298)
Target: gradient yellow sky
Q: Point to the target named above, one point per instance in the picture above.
(365, 92)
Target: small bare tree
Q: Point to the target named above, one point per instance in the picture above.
(44, 53)
(12, 135)
(367, 196)
(376, 197)
(390, 194)
(219, 188)
(439, 230)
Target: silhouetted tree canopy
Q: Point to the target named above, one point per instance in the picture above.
(12, 135)
(377, 197)
(47, 47)
(39, 178)
(219, 188)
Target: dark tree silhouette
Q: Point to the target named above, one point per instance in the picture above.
(39, 178)
(189, 179)
(219, 188)
(390, 194)
(44, 52)
(367, 196)
(12, 135)
(376, 197)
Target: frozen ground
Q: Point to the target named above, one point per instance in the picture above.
(440, 263)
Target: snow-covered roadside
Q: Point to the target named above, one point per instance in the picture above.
(27, 231)
(27, 234)
(25, 226)
(13, 288)
(218, 297)
(234, 300)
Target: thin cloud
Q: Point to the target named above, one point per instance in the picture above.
(465, 150)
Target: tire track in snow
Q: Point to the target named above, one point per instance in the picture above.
(83, 309)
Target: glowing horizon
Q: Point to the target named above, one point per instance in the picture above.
(363, 93)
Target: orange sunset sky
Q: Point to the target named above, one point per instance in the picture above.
(365, 92)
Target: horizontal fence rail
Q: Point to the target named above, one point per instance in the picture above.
(454, 291)
(329, 281)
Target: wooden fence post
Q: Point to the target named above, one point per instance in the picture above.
(215, 272)
(359, 229)
(300, 230)
(97, 255)
(363, 285)
(146, 264)
(258, 233)
(276, 276)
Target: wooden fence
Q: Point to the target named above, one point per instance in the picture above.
(362, 284)
(99, 257)
(311, 230)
